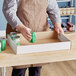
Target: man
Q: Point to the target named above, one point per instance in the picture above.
(31, 15)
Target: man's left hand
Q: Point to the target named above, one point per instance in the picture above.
(58, 29)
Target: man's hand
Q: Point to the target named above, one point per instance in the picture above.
(58, 28)
(26, 32)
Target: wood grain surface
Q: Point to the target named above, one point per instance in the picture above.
(8, 58)
(67, 68)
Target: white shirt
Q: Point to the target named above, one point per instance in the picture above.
(10, 8)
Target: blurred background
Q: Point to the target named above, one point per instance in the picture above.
(65, 4)
(2, 18)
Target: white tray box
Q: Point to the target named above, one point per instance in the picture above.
(46, 41)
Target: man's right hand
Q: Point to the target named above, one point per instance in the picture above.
(26, 32)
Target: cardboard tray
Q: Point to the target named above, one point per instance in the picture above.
(46, 41)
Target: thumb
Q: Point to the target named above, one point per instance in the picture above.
(61, 31)
(57, 30)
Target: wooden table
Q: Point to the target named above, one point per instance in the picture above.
(8, 58)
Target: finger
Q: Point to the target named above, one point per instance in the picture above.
(28, 31)
(28, 39)
(59, 34)
(29, 36)
(57, 30)
(26, 36)
(62, 31)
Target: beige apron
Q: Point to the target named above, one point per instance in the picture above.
(32, 14)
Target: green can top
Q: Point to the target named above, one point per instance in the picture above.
(16, 37)
(2, 39)
(13, 33)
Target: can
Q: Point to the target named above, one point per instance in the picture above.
(0, 46)
(33, 35)
(13, 34)
(72, 10)
(68, 11)
(16, 39)
(64, 11)
(3, 43)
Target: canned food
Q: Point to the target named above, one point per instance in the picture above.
(72, 10)
(64, 11)
(13, 34)
(3, 43)
(61, 12)
(16, 39)
(0, 46)
(33, 35)
(68, 11)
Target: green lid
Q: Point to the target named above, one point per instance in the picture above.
(13, 33)
(16, 37)
(2, 39)
(33, 35)
(17, 44)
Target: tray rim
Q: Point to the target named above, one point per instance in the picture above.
(16, 47)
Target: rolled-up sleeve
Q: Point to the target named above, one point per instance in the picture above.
(10, 10)
(53, 11)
